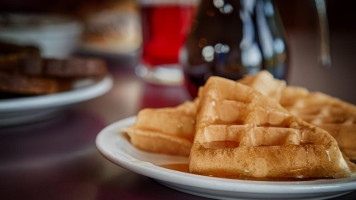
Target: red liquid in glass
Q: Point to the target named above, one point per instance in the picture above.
(165, 28)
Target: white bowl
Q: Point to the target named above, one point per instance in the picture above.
(55, 35)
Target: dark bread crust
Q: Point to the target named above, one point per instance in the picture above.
(23, 71)
(20, 84)
(73, 67)
(11, 55)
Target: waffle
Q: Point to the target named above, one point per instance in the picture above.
(265, 84)
(243, 133)
(329, 113)
(165, 130)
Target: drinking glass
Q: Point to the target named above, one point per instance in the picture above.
(165, 25)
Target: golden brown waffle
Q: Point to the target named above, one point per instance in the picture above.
(329, 113)
(165, 130)
(265, 84)
(244, 133)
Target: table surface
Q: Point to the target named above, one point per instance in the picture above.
(58, 159)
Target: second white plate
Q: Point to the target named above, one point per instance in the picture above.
(113, 144)
(33, 108)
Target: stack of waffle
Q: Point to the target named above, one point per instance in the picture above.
(243, 133)
(326, 112)
(254, 131)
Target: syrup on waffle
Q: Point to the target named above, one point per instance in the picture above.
(240, 132)
(329, 113)
(165, 130)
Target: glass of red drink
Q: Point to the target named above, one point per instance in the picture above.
(165, 25)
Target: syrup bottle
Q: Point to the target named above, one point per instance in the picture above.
(231, 38)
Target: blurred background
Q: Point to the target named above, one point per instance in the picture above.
(112, 29)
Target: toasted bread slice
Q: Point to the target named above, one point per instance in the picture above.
(73, 67)
(11, 55)
(20, 84)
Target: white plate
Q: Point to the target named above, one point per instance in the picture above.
(29, 109)
(113, 144)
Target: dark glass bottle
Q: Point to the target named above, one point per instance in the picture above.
(231, 38)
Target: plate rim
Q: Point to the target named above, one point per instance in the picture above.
(213, 183)
(57, 99)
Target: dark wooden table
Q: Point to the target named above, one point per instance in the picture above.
(58, 159)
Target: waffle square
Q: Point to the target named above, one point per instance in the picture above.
(165, 130)
(240, 132)
(324, 111)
